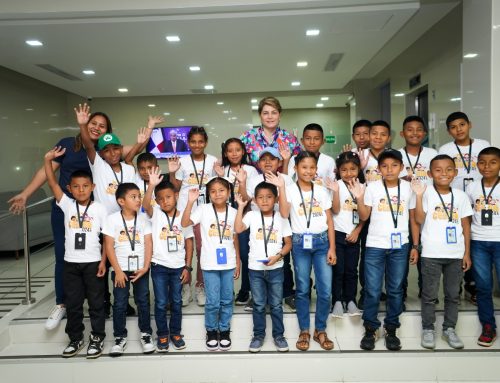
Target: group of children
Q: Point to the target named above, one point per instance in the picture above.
(246, 221)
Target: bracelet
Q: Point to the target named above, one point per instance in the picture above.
(188, 268)
(416, 247)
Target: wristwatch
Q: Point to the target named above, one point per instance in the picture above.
(188, 268)
(416, 247)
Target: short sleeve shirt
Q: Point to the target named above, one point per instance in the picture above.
(70, 161)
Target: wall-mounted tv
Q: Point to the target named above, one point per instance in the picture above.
(169, 141)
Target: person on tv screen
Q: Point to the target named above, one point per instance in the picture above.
(175, 144)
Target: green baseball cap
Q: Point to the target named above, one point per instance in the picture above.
(107, 139)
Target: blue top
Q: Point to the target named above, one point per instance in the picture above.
(70, 162)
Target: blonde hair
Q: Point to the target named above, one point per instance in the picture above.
(271, 101)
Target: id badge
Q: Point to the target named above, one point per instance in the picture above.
(172, 244)
(201, 199)
(486, 217)
(221, 256)
(355, 217)
(80, 241)
(307, 241)
(133, 263)
(451, 234)
(396, 242)
(467, 181)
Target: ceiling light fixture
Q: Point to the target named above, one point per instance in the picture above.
(325, 98)
(253, 101)
(173, 39)
(194, 68)
(122, 90)
(34, 43)
(470, 55)
(319, 105)
(312, 32)
(255, 107)
(181, 119)
(151, 105)
(456, 99)
(302, 64)
(166, 113)
(399, 94)
(220, 102)
(88, 72)
(295, 83)
(225, 111)
(209, 87)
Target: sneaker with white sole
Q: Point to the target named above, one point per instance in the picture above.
(148, 346)
(73, 348)
(428, 339)
(58, 312)
(338, 310)
(225, 341)
(249, 306)
(201, 298)
(186, 294)
(212, 341)
(281, 344)
(119, 347)
(353, 310)
(450, 336)
(95, 348)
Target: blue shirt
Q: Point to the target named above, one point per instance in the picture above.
(70, 162)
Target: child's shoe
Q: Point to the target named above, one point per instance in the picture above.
(162, 344)
(392, 342)
(96, 345)
(249, 306)
(428, 339)
(186, 294)
(369, 338)
(147, 343)
(242, 298)
(450, 336)
(73, 348)
(201, 298)
(225, 341)
(212, 342)
(281, 344)
(178, 342)
(256, 344)
(57, 313)
(338, 310)
(353, 310)
(119, 347)
(487, 336)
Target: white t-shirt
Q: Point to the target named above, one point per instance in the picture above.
(344, 219)
(107, 181)
(161, 232)
(421, 167)
(371, 172)
(281, 229)
(187, 174)
(113, 227)
(93, 221)
(231, 176)
(434, 231)
(381, 222)
(326, 168)
(253, 182)
(477, 200)
(451, 150)
(143, 186)
(210, 240)
(321, 202)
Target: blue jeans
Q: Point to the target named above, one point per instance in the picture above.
(167, 286)
(244, 241)
(303, 260)
(219, 285)
(392, 262)
(267, 288)
(485, 255)
(141, 298)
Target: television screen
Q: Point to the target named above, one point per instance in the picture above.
(169, 141)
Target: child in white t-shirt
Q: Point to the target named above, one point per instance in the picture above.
(270, 239)
(220, 258)
(171, 262)
(84, 267)
(380, 138)
(146, 163)
(444, 213)
(128, 243)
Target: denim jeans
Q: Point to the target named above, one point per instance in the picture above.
(244, 243)
(361, 269)
(141, 298)
(167, 287)
(219, 285)
(267, 288)
(345, 271)
(485, 255)
(432, 269)
(303, 260)
(392, 263)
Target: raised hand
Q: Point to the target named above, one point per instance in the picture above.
(143, 135)
(155, 176)
(193, 195)
(276, 180)
(284, 150)
(218, 168)
(82, 114)
(357, 188)
(153, 120)
(346, 148)
(174, 164)
(239, 200)
(57, 151)
(418, 186)
(363, 158)
(332, 184)
(241, 175)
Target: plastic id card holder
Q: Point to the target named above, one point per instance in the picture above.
(451, 234)
(80, 241)
(307, 241)
(172, 244)
(201, 199)
(467, 181)
(221, 256)
(486, 217)
(133, 263)
(396, 242)
(355, 217)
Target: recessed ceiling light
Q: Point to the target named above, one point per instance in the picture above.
(88, 72)
(255, 107)
(470, 55)
(234, 118)
(18, 168)
(29, 109)
(319, 105)
(253, 101)
(312, 32)
(166, 113)
(225, 111)
(122, 90)
(399, 94)
(325, 98)
(194, 68)
(151, 105)
(295, 83)
(220, 102)
(209, 87)
(34, 43)
(302, 64)
(456, 99)
(181, 119)
(173, 39)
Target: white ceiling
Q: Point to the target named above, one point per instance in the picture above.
(243, 46)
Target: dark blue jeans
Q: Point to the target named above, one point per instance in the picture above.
(345, 271)
(141, 298)
(57, 221)
(167, 287)
(243, 240)
(485, 256)
(392, 263)
(267, 288)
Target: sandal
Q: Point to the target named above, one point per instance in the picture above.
(322, 338)
(303, 341)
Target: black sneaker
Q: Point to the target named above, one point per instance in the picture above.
(73, 348)
(368, 340)
(290, 302)
(96, 345)
(212, 342)
(392, 342)
(242, 298)
(225, 341)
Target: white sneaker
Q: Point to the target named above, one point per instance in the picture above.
(201, 298)
(57, 313)
(119, 347)
(147, 343)
(338, 310)
(186, 294)
(353, 310)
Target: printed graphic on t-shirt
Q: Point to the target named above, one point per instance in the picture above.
(384, 206)
(176, 232)
(481, 204)
(439, 213)
(259, 236)
(459, 164)
(193, 180)
(111, 189)
(419, 172)
(153, 202)
(86, 225)
(214, 231)
(372, 174)
(124, 238)
(349, 205)
(317, 210)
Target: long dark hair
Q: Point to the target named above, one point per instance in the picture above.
(225, 160)
(345, 158)
(109, 129)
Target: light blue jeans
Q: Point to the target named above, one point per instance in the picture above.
(219, 285)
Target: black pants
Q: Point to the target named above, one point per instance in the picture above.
(362, 244)
(288, 277)
(80, 282)
(345, 272)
